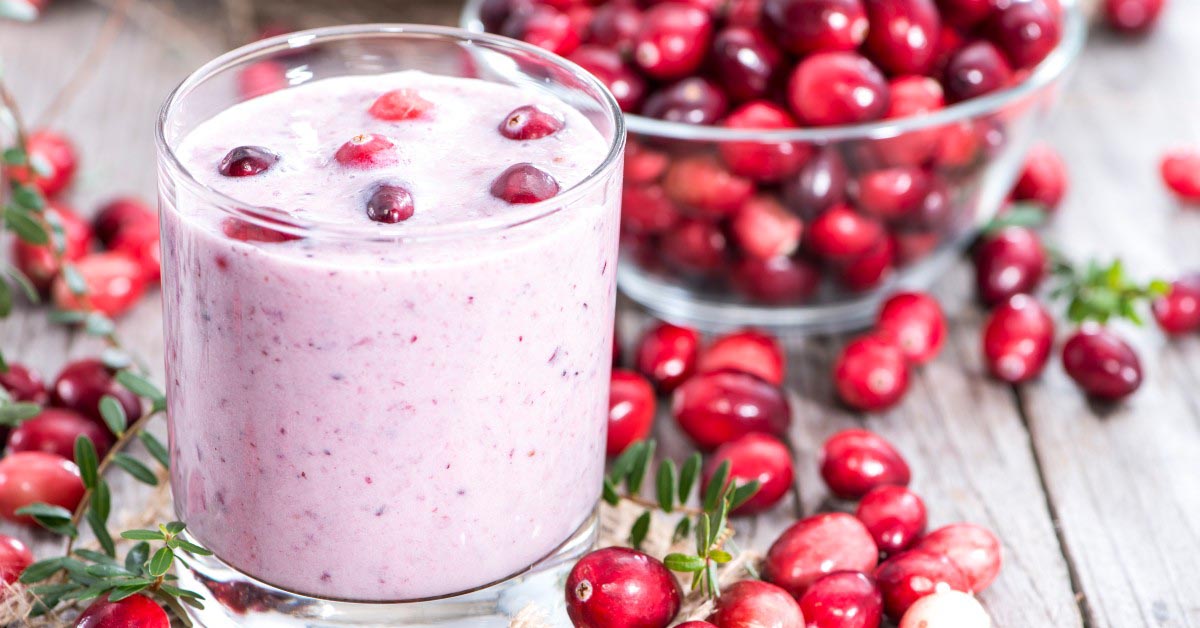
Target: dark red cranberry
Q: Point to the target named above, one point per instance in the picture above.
(115, 215)
(904, 34)
(246, 231)
(841, 234)
(114, 282)
(626, 85)
(15, 556)
(618, 586)
(261, 78)
(1181, 172)
(755, 604)
(912, 575)
(524, 183)
(965, 14)
(746, 63)
(890, 194)
(399, 104)
(694, 100)
(646, 209)
(81, 385)
(55, 152)
(935, 212)
(763, 229)
(843, 599)
(1026, 31)
(1132, 16)
(29, 477)
(807, 26)
(615, 26)
(1007, 262)
(1043, 179)
(530, 122)
(715, 408)
(748, 351)
(894, 515)
(973, 549)
(976, 69)
(694, 247)
(820, 185)
(705, 188)
(753, 457)
(544, 27)
(247, 161)
(1101, 363)
(853, 462)
(814, 547)
(367, 151)
(54, 431)
(39, 262)
(673, 40)
(630, 410)
(135, 611)
(390, 204)
(832, 88)
(1177, 312)
(23, 384)
(1017, 339)
(915, 323)
(667, 355)
(776, 281)
(763, 161)
(869, 270)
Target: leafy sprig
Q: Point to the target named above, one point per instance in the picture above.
(1099, 292)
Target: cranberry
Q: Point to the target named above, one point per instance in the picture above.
(976, 69)
(778, 280)
(890, 193)
(913, 246)
(973, 549)
(530, 122)
(28, 477)
(56, 153)
(1026, 31)
(54, 431)
(673, 40)
(247, 161)
(642, 164)
(140, 241)
(493, 13)
(630, 410)
(667, 355)
(808, 26)
(544, 27)
(15, 556)
(912, 575)
(1043, 179)
(843, 599)
(763, 229)
(763, 161)
(747, 13)
(625, 84)
(119, 213)
(367, 150)
(946, 609)
(114, 283)
(615, 26)
(1007, 262)
(745, 62)
(869, 270)
(135, 611)
(693, 100)
(1178, 311)
(1101, 363)
(696, 624)
(756, 604)
(261, 78)
(1017, 339)
(702, 186)
(831, 88)
(748, 351)
(816, 546)
(694, 247)
(894, 515)
(965, 14)
(843, 234)
(1132, 16)
(715, 408)
(23, 384)
(752, 457)
(399, 104)
(1181, 172)
(246, 231)
(39, 262)
(904, 34)
(647, 209)
(911, 96)
(617, 586)
(524, 183)
(390, 204)
(82, 383)
(853, 462)
(820, 185)
(915, 323)
(935, 211)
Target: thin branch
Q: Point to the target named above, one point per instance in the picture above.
(653, 505)
(10, 103)
(86, 68)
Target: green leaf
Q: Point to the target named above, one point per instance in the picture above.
(6, 300)
(108, 570)
(721, 556)
(683, 563)
(135, 560)
(191, 548)
(140, 386)
(134, 467)
(27, 228)
(13, 413)
(1017, 215)
(101, 531)
(41, 570)
(99, 325)
(156, 449)
(640, 469)
(23, 282)
(85, 457)
(94, 591)
(180, 593)
(74, 280)
(115, 359)
(126, 590)
(66, 317)
(28, 197)
(143, 535)
(716, 487)
(682, 530)
(743, 493)
(94, 556)
(624, 462)
(666, 485)
(160, 563)
(719, 521)
(641, 527)
(15, 156)
(702, 528)
(714, 580)
(46, 511)
(610, 492)
(688, 475)
(175, 527)
(113, 414)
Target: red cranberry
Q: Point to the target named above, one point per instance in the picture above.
(696, 624)
(57, 154)
(667, 355)
(832, 88)
(947, 609)
(1026, 31)
(81, 385)
(752, 457)
(976, 69)
(763, 161)
(965, 14)
(904, 34)
(261, 78)
(747, 13)
(869, 270)
(642, 164)
(808, 26)
(15, 556)
(119, 213)
(544, 27)
(367, 151)
(140, 241)
(915, 323)
(912, 575)
(28, 477)
(715, 408)
(39, 262)
(1017, 339)
(745, 62)
(1181, 172)
(694, 247)
(615, 26)
(390, 204)
(246, 231)
(630, 410)
(911, 96)
(626, 85)
(530, 122)
(756, 604)
(673, 40)
(894, 515)
(399, 104)
(646, 209)
(1007, 262)
(891, 193)
(748, 351)
(1132, 16)
(617, 586)
(1043, 179)
(973, 549)
(763, 229)
(693, 100)
(816, 546)
(1101, 363)
(820, 185)
(524, 183)
(247, 161)
(114, 283)
(702, 186)
(23, 384)
(853, 462)
(1178, 311)
(778, 280)
(843, 234)
(935, 211)
(913, 246)
(843, 599)
(54, 431)
(135, 611)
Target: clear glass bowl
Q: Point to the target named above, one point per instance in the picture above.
(965, 157)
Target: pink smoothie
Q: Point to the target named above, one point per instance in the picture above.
(389, 411)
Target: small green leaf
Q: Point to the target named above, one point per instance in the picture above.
(140, 386)
(714, 580)
(640, 469)
(688, 475)
(74, 279)
(641, 527)
(41, 570)
(666, 485)
(113, 414)
(85, 457)
(702, 528)
(27, 228)
(721, 556)
(716, 487)
(101, 531)
(191, 548)
(135, 560)
(66, 317)
(143, 535)
(124, 591)
(161, 561)
(156, 449)
(115, 359)
(683, 563)
(28, 197)
(175, 527)
(181, 593)
(14, 156)
(107, 570)
(94, 556)
(610, 492)
(682, 530)
(23, 282)
(99, 325)
(719, 521)
(13, 413)
(134, 467)
(743, 493)
(6, 299)
(46, 511)
(624, 463)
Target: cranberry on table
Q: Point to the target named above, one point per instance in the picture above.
(114, 282)
(667, 355)
(1007, 262)
(28, 477)
(631, 407)
(1132, 16)
(1043, 179)
(1101, 363)
(973, 549)
(673, 40)
(833, 88)
(746, 62)
(912, 575)
(693, 100)
(854, 461)
(915, 323)
(904, 34)
(1017, 339)
(1177, 311)
(694, 248)
(524, 183)
(819, 186)
(976, 69)
(247, 161)
(23, 384)
(871, 374)
(704, 188)
(544, 27)
(1026, 31)
(843, 599)
(819, 545)
(752, 457)
(696, 624)
(15, 556)
(368, 150)
(1180, 170)
(57, 154)
(894, 515)
(390, 204)
(140, 241)
(399, 104)
(756, 604)
(764, 229)
(947, 609)
(841, 234)
(715, 408)
(530, 122)
(82, 383)
(135, 611)
(778, 280)
(807, 26)
(118, 214)
(626, 85)
(646, 209)
(55, 430)
(617, 587)
(763, 161)
(748, 351)
(39, 262)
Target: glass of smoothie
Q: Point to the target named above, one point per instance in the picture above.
(388, 284)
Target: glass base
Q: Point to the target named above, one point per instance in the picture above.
(233, 599)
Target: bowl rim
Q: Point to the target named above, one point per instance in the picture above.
(1055, 65)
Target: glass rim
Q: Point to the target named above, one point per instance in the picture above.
(281, 221)
(1055, 64)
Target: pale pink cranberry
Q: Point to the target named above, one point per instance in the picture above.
(367, 151)
(715, 408)
(696, 623)
(1180, 170)
(524, 183)
(832, 88)
(23, 384)
(808, 26)
(626, 85)
(1017, 338)
(631, 407)
(1132, 16)
(973, 549)
(763, 161)
(615, 26)
(763, 229)
(760, 457)
(947, 609)
(695, 248)
(915, 323)
(819, 186)
(114, 282)
(693, 100)
(530, 122)
(643, 164)
(869, 270)
(853, 462)
(890, 194)
(28, 477)
(1007, 262)
(646, 209)
(390, 204)
(1178, 311)
(544, 27)
(704, 187)
(778, 280)
(261, 78)
(673, 40)
(247, 161)
(1026, 31)
(135, 611)
(748, 351)
(843, 599)
(841, 234)
(894, 515)
(976, 69)
(55, 430)
(814, 547)
(667, 355)
(746, 62)
(1043, 179)
(903, 36)
(82, 383)
(1101, 363)
(756, 604)
(54, 151)
(965, 14)
(912, 575)
(617, 586)
(15, 556)
(399, 104)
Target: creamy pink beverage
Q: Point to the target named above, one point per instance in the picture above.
(405, 396)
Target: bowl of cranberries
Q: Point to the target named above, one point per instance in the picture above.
(790, 162)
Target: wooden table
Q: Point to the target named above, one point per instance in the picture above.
(1098, 508)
